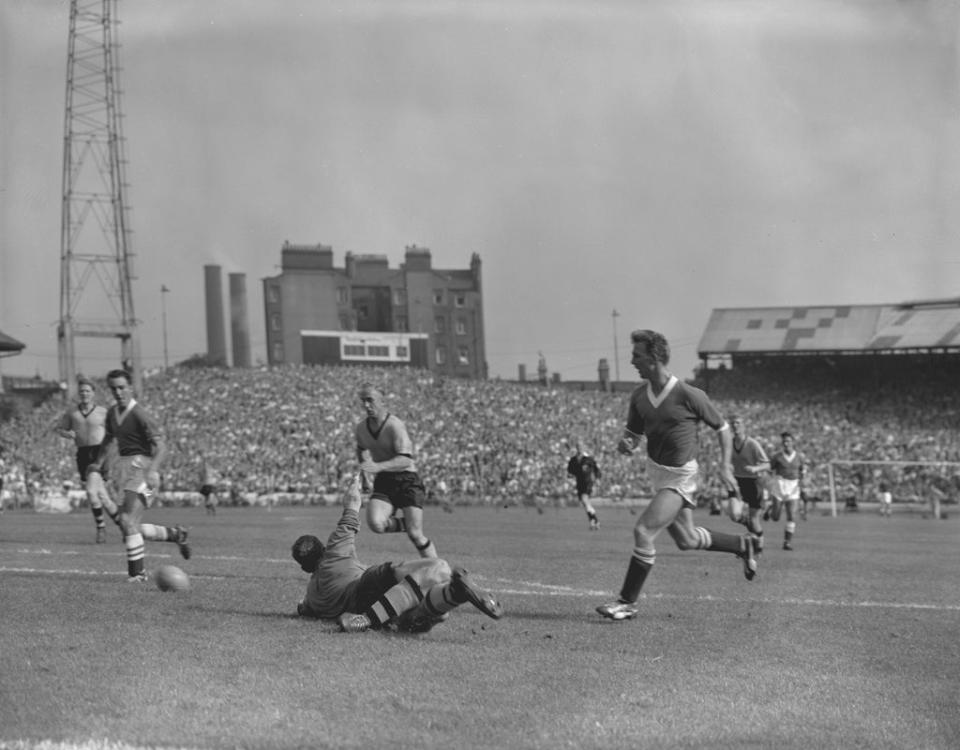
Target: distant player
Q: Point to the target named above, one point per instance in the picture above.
(584, 469)
(85, 424)
(749, 463)
(788, 467)
(208, 487)
(141, 449)
(385, 452)
(885, 498)
(411, 596)
(668, 413)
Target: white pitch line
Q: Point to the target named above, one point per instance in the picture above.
(533, 588)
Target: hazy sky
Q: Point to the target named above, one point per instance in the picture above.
(662, 158)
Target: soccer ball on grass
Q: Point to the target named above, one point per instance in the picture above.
(171, 578)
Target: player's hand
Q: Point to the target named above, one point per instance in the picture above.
(626, 446)
(351, 492)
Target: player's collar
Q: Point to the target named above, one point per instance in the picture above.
(658, 398)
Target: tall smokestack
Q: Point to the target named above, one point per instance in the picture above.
(239, 329)
(216, 337)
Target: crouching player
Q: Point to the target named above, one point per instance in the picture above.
(411, 596)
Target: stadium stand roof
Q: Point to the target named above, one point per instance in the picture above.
(849, 329)
(10, 346)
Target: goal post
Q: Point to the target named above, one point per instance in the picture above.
(916, 480)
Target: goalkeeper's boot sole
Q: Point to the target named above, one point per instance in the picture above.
(464, 590)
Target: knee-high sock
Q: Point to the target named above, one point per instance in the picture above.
(715, 541)
(98, 517)
(154, 533)
(788, 531)
(397, 599)
(134, 545)
(637, 571)
(438, 601)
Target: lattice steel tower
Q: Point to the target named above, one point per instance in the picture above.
(94, 232)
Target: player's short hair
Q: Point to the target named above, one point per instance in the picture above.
(84, 380)
(785, 435)
(368, 387)
(655, 344)
(119, 373)
(307, 551)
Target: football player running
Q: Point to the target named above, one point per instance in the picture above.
(668, 413)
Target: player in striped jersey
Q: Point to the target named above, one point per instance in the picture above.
(411, 596)
(142, 449)
(668, 413)
(385, 451)
(85, 424)
(788, 467)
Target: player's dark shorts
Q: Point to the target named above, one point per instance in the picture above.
(584, 487)
(403, 489)
(207, 490)
(750, 491)
(86, 455)
(372, 584)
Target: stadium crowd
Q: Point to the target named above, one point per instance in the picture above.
(290, 429)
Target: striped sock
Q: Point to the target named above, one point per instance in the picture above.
(720, 542)
(395, 524)
(399, 598)
(154, 533)
(134, 545)
(439, 600)
(98, 517)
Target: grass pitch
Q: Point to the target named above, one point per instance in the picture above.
(850, 641)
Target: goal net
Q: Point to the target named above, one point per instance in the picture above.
(927, 485)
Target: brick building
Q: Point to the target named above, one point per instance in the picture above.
(367, 312)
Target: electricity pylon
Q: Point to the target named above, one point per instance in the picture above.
(94, 232)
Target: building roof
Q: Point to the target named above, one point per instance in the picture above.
(934, 324)
(10, 345)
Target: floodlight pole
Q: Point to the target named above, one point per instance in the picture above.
(163, 310)
(616, 355)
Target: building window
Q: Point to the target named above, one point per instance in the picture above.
(463, 355)
(400, 297)
(275, 322)
(277, 351)
(441, 355)
(402, 352)
(354, 350)
(460, 300)
(402, 324)
(343, 296)
(346, 324)
(438, 296)
(461, 327)
(273, 294)
(439, 325)
(375, 350)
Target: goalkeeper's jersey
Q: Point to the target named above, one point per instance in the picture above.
(333, 586)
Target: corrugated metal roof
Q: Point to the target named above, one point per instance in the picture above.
(8, 344)
(839, 328)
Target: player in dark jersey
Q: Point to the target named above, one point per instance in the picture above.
(85, 424)
(584, 469)
(668, 413)
(410, 596)
(750, 463)
(141, 449)
(385, 452)
(788, 468)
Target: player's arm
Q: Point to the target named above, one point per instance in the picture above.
(64, 428)
(725, 441)
(402, 459)
(761, 462)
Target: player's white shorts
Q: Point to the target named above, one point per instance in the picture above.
(789, 488)
(132, 475)
(886, 498)
(680, 479)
